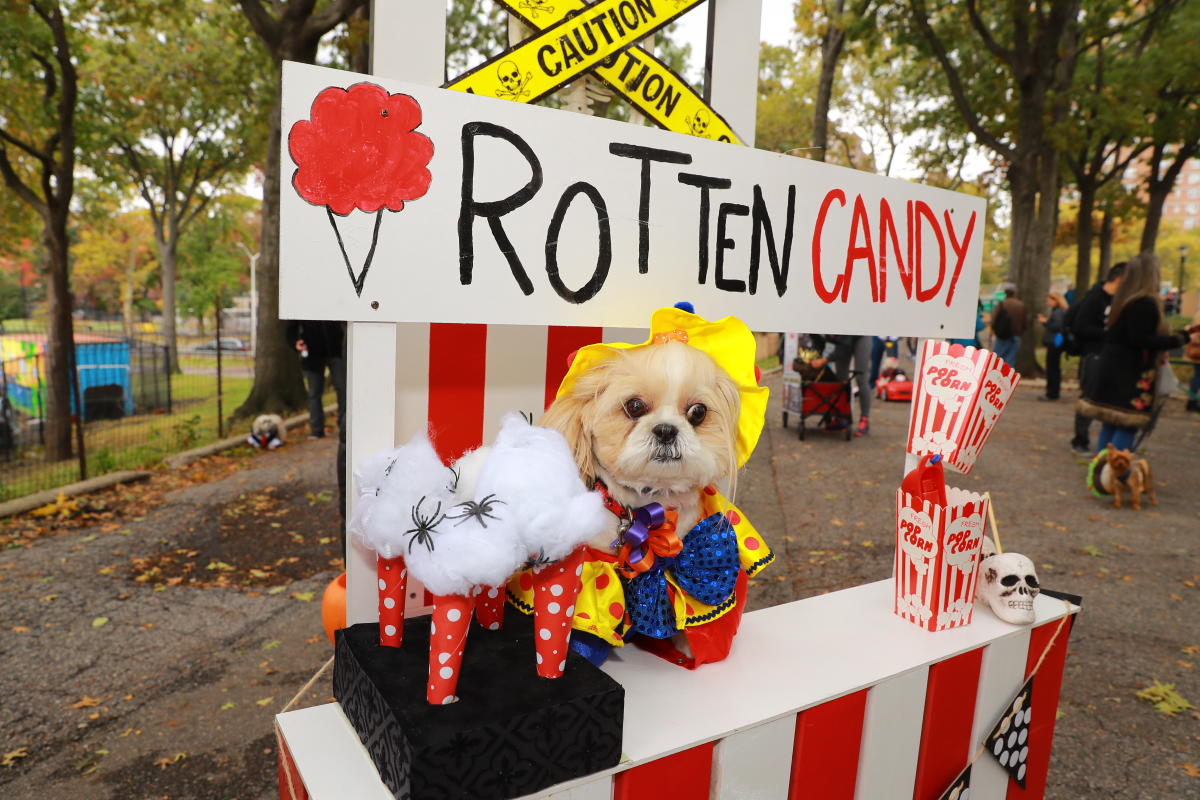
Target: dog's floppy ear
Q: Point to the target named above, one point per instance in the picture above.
(567, 416)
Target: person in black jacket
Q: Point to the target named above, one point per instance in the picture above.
(321, 345)
(1052, 337)
(1088, 327)
(1120, 392)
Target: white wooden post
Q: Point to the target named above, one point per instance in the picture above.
(408, 42)
(732, 62)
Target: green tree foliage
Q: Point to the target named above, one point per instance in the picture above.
(40, 54)
(185, 85)
(475, 30)
(115, 264)
(213, 267)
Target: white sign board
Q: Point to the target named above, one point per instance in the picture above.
(402, 203)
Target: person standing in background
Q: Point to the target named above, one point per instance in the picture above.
(1052, 337)
(1121, 391)
(1008, 325)
(1191, 352)
(1087, 323)
(320, 344)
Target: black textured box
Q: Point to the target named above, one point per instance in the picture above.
(511, 732)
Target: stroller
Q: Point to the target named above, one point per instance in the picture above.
(822, 395)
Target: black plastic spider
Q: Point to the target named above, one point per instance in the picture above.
(539, 560)
(527, 416)
(424, 526)
(457, 473)
(476, 509)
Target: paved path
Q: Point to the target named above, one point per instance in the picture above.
(200, 671)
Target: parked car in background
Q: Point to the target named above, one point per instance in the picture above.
(225, 344)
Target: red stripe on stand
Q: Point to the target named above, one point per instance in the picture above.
(561, 342)
(949, 715)
(296, 790)
(1046, 688)
(686, 775)
(457, 369)
(825, 753)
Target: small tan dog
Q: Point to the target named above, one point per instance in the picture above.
(1122, 472)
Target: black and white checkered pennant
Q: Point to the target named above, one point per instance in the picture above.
(1009, 740)
(960, 789)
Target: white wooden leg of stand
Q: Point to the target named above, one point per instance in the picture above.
(887, 762)
(1001, 674)
(755, 763)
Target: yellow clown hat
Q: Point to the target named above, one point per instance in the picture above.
(727, 341)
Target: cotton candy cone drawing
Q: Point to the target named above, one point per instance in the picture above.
(360, 150)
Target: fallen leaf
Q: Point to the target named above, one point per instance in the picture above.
(1164, 697)
(167, 761)
(1093, 551)
(1191, 648)
(106, 570)
(20, 629)
(837, 523)
(264, 701)
(99, 622)
(1190, 769)
(13, 756)
(47, 598)
(229, 705)
(303, 596)
(271, 645)
(276, 589)
(85, 702)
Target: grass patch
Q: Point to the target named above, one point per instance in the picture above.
(137, 442)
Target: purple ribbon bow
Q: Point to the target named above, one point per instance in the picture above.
(645, 518)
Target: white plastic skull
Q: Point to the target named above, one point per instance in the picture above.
(1009, 584)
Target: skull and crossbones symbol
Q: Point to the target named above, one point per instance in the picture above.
(536, 7)
(514, 85)
(698, 123)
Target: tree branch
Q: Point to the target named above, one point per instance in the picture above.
(329, 17)
(14, 182)
(267, 27)
(957, 90)
(1002, 53)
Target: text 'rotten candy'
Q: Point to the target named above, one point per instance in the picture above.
(873, 245)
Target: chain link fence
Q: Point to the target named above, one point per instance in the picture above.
(133, 409)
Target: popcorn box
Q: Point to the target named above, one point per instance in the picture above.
(937, 558)
(960, 393)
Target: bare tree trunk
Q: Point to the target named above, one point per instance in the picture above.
(1084, 233)
(61, 338)
(1156, 198)
(166, 259)
(1106, 241)
(278, 384)
(127, 291)
(831, 50)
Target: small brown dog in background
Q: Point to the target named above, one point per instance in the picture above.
(1122, 472)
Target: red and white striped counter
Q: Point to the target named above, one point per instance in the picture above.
(833, 697)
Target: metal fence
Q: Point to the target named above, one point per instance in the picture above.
(132, 408)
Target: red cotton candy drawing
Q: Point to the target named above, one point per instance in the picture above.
(360, 150)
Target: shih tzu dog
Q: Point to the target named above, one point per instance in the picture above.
(661, 429)
(655, 424)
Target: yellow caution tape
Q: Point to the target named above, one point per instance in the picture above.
(575, 38)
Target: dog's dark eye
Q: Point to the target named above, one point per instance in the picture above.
(696, 413)
(635, 407)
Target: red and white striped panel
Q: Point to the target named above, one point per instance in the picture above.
(829, 698)
(458, 381)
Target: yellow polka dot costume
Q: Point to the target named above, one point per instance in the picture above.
(701, 592)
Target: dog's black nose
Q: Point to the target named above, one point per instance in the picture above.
(665, 433)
